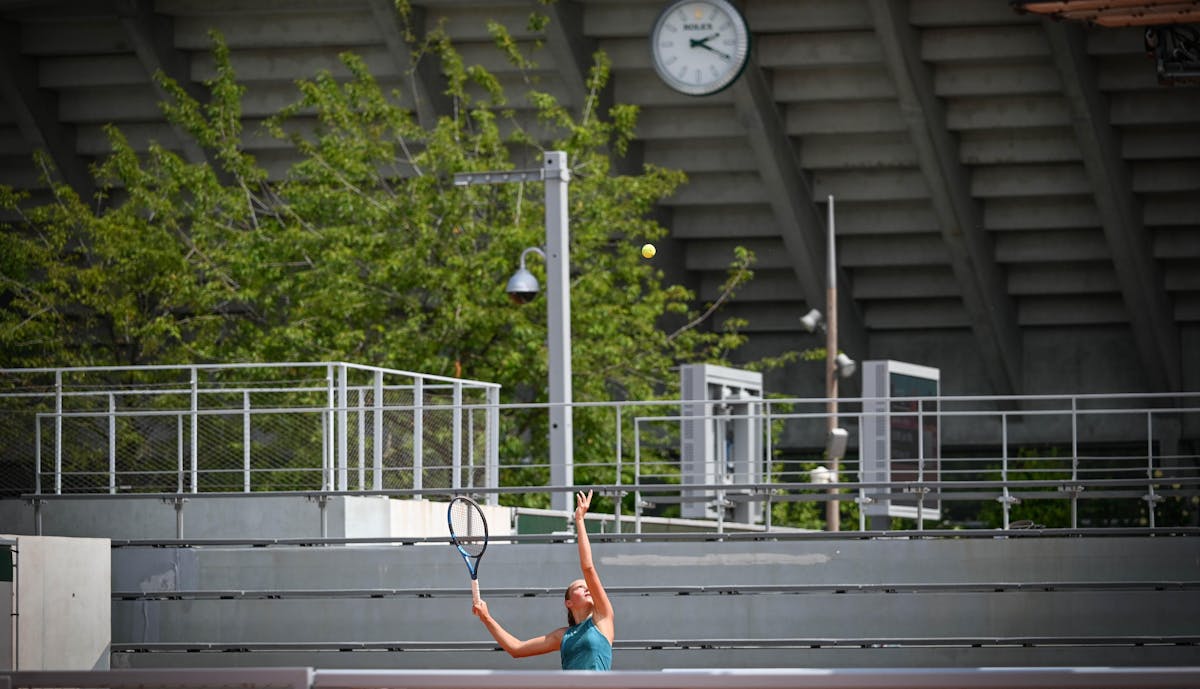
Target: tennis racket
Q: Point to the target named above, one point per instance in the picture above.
(468, 533)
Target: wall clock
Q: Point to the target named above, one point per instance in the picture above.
(700, 46)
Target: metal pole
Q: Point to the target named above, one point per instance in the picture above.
(456, 463)
(418, 467)
(377, 434)
(112, 443)
(245, 441)
(832, 517)
(58, 411)
(362, 438)
(556, 177)
(340, 430)
(195, 430)
(37, 454)
(558, 301)
(493, 449)
(179, 454)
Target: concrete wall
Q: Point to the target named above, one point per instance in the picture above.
(63, 609)
(7, 575)
(868, 589)
(260, 516)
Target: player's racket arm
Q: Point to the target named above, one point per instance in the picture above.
(518, 648)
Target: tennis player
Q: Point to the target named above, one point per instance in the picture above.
(586, 642)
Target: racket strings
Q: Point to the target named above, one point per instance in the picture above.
(470, 529)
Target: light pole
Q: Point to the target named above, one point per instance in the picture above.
(837, 365)
(832, 516)
(557, 177)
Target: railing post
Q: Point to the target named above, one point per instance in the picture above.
(340, 431)
(362, 438)
(179, 453)
(920, 465)
(418, 412)
(493, 450)
(178, 502)
(245, 441)
(58, 410)
(1151, 498)
(1005, 499)
(112, 443)
(456, 435)
(769, 444)
(637, 476)
(195, 405)
(327, 478)
(37, 454)
(377, 433)
(1074, 462)
(617, 482)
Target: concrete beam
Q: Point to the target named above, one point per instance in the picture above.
(790, 195)
(35, 112)
(425, 83)
(152, 36)
(573, 51)
(989, 307)
(1130, 244)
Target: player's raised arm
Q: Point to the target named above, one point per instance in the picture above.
(602, 611)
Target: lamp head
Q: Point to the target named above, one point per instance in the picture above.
(522, 287)
(811, 320)
(845, 365)
(835, 448)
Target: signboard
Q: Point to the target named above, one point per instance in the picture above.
(901, 441)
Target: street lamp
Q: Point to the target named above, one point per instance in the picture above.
(837, 365)
(523, 287)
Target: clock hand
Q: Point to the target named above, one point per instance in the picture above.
(706, 46)
(701, 42)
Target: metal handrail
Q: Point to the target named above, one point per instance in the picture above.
(1152, 475)
(678, 590)
(701, 643)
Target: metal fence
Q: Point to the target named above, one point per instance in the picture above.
(243, 428)
(1071, 461)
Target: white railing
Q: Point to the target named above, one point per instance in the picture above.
(247, 427)
(334, 428)
(781, 678)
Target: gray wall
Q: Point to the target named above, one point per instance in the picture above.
(62, 616)
(838, 594)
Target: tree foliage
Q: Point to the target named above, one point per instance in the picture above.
(363, 250)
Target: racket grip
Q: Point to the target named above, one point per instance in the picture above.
(475, 590)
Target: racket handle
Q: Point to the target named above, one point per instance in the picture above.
(475, 590)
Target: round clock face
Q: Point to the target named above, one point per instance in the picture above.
(700, 46)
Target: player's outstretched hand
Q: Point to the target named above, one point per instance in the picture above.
(480, 609)
(582, 503)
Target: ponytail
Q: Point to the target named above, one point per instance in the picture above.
(570, 615)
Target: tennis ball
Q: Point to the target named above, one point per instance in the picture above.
(648, 251)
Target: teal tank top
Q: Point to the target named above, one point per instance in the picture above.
(585, 648)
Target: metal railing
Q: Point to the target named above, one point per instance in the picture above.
(1102, 460)
(243, 428)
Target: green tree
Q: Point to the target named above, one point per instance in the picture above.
(364, 250)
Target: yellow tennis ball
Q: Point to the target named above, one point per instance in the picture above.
(648, 251)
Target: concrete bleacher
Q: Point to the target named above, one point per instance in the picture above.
(932, 600)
